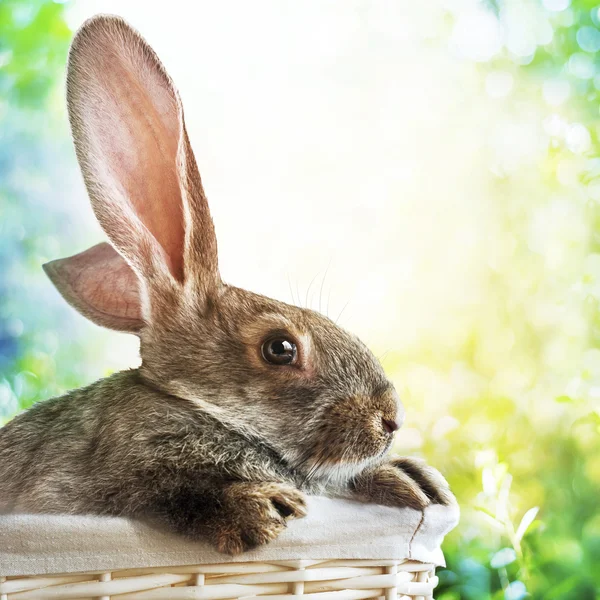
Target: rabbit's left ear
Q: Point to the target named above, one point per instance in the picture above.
(137, 162)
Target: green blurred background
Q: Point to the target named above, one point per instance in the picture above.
(502, 391)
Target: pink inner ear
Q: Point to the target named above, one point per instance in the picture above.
(127, 127)
(140, 149)
(101, 285)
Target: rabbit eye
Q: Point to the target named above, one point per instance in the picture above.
(279, 351)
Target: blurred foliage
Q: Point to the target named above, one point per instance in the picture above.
(519, 434)
(34, 41)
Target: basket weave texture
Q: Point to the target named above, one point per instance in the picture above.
(280, 580)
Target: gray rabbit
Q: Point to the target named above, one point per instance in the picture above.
(242, 404)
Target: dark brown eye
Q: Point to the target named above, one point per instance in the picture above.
(279, 351)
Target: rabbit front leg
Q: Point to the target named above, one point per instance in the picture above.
(402, 482)
(238, 516)
(254, 514)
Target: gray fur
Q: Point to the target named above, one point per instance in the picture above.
(205, 438)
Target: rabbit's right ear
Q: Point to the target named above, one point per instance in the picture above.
(137, 162)
(101, 286)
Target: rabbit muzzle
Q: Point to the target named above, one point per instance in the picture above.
(355, 432)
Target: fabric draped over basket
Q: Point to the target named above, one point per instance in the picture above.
(335, 533)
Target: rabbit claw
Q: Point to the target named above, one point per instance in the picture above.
(404, 482)
(256, 514)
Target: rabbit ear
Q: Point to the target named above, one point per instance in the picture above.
(101, 286)
(136, 159)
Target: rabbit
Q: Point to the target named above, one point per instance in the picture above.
(242, 404)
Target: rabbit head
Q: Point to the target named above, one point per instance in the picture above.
(286, 375)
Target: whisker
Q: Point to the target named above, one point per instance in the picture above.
(291, 291)
(310, 473)
(382, 356)
(302, 462)
(317, 466)
(342, 312)
(308, 289)
(309, 456)
(323, 283)
(341, 462)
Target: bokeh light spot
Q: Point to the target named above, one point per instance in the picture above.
(581, 65)
(588, 39)
(556, 5)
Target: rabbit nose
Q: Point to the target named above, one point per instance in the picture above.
(390, 425)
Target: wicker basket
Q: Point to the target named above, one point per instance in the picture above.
(318, 580)
(342, 550)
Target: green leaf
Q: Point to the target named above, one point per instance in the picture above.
(526, 521)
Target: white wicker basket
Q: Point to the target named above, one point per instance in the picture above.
(317, 580)
(341, 550)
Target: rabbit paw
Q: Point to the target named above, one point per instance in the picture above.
(404, 482)
(255, 514)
